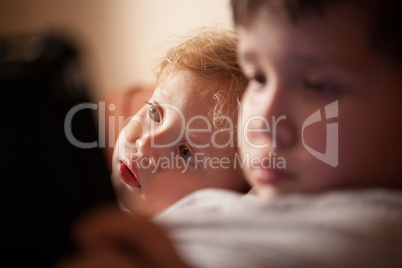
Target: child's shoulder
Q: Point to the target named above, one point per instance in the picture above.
(344, 200)
(342, 210)
(207, 200)
(220, 224)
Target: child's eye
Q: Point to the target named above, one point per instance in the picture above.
(185, 153)
(153, 113)
(318, 87)
(258, 80)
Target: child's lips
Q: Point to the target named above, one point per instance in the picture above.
(128, 175)
(271, 176)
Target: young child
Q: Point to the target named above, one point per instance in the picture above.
(165, 151)
(315, 59)
(324, 100)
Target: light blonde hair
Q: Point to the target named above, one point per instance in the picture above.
(209, 53)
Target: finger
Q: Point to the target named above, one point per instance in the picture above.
(100, 227)
(139, 239)
(104, 225)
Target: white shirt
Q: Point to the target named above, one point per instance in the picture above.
(215, 228)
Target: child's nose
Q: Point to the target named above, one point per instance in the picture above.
(132, 130)
(277, 110)
(153, 147)
(145, 149)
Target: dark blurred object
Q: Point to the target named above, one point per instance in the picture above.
(45, 181)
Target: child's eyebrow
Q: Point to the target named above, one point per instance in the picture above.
(309, 60)
(246, 56)
(319, 61)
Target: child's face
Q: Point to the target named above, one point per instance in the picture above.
(298, 69)
(170, 146)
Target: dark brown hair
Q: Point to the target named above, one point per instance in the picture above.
(385, 17)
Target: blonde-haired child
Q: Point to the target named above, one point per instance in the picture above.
(183, 139)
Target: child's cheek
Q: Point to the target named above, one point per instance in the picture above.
(315, 136)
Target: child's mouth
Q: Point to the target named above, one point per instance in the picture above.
(271, 176)
(127, 175)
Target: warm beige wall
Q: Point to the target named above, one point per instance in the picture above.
(123, 38)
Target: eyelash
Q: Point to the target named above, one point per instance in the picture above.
(154, 113)
(260, 79)
(318, 87)
(254, 76)
(256, 81)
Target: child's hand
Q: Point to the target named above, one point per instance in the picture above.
(111, 238)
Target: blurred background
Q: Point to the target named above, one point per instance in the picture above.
(121, 39)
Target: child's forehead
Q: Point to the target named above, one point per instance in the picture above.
(337, 45)
(341, 35)
(340, 19)
(191, 84)
(382, 19)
